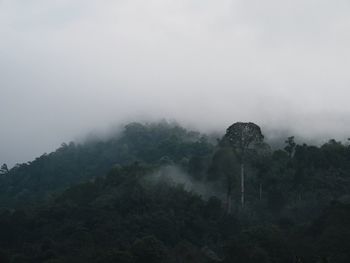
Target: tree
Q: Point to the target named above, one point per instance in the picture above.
(290, 147)
(4, 169)
(241, 136)
(223, 166)
(262, 163)
(148, 250)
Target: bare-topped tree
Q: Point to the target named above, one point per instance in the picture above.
(243, 136)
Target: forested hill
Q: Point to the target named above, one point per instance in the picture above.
(120, 200)
(156, 144)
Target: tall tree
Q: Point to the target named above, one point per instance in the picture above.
(290, 147)
(4, 169)
(242, 136)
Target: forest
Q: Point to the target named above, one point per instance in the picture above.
(157, 192)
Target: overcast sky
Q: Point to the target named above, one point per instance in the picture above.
(68, 67)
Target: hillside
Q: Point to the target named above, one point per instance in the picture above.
(159, 193)
(157, 143)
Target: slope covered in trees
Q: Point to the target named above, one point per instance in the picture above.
(72, 163)
(113, 201)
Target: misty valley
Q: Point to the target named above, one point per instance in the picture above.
(159, 193)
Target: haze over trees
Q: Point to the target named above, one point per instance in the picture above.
(159, 193)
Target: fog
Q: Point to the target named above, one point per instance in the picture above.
(174, 175)
(70, 67)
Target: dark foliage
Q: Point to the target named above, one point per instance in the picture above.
(73, 163)
(107, 201)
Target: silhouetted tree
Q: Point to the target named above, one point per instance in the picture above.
(241, 136)
(4, 169)
(290, 147)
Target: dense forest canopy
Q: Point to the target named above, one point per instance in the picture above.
(159, 193)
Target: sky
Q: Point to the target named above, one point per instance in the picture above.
(71, 67)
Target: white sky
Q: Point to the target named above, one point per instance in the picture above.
(69, 67)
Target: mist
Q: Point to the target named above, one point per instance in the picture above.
(69, 68)
(176, 176)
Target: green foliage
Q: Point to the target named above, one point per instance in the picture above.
(73, 163)
(241, 136)
(105, 200)
(225, 166)
(124, 216)
(148, 250)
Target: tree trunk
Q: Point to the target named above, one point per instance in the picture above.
(242, 184)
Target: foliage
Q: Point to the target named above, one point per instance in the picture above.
(105, 201)
(73, 163)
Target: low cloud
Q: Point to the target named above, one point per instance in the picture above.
(67, 68)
